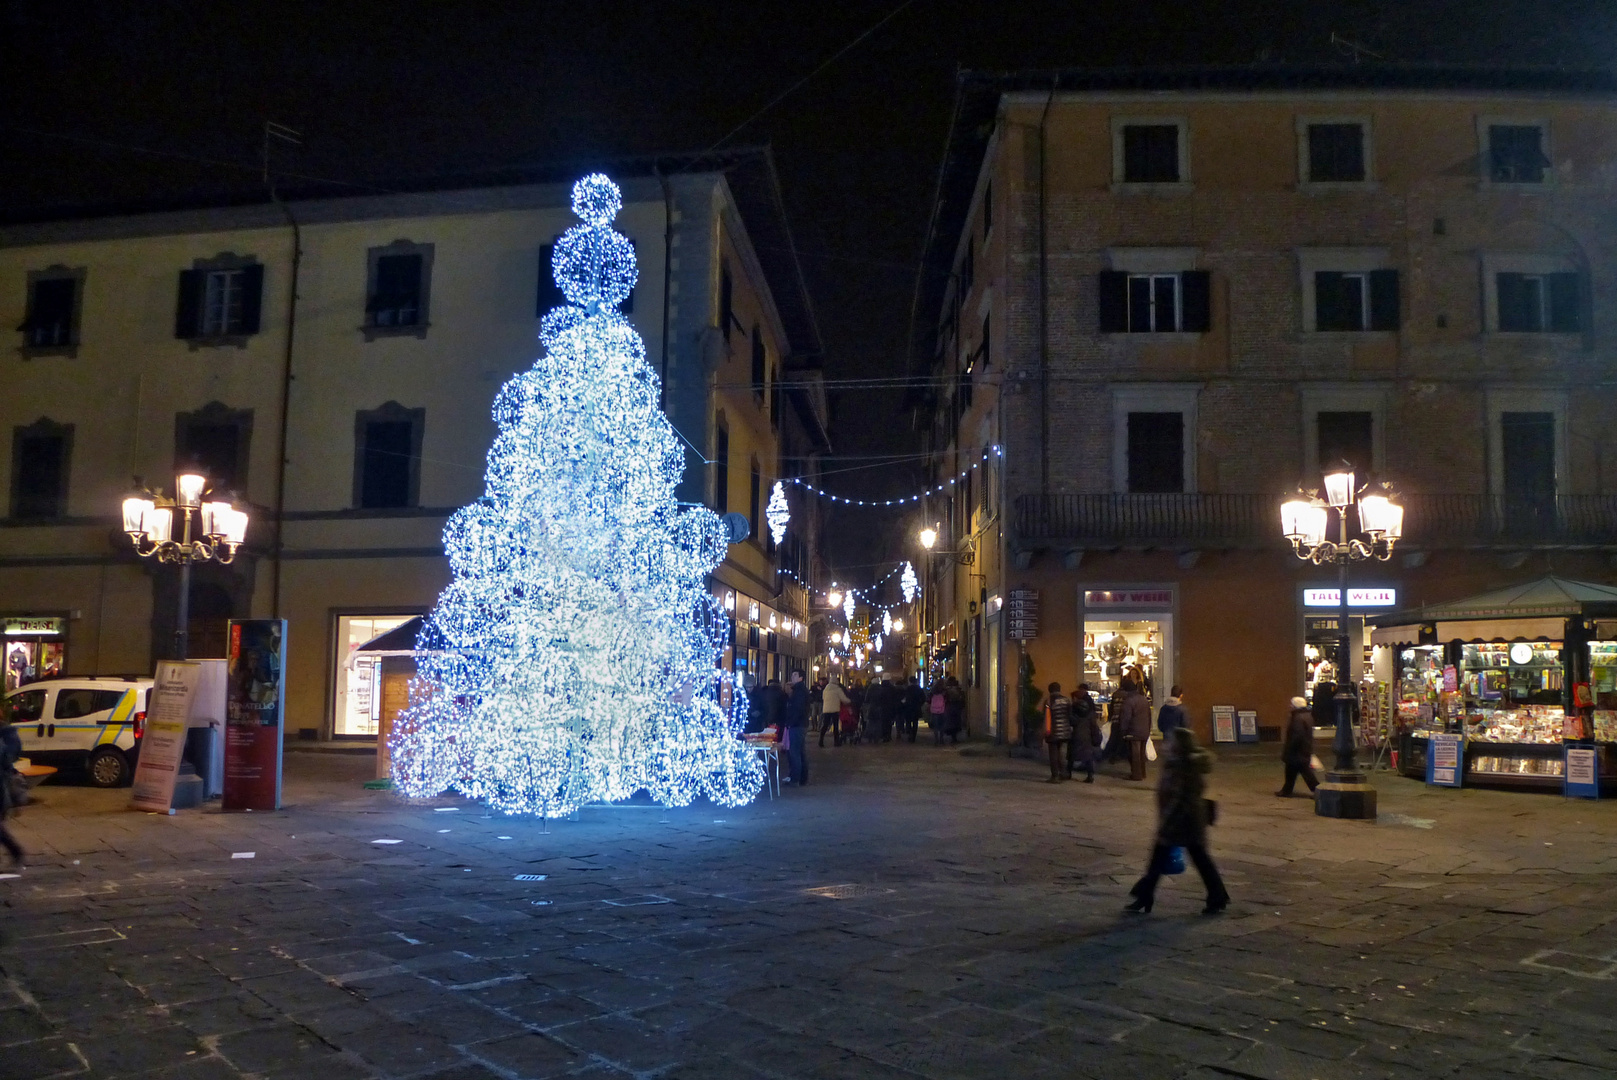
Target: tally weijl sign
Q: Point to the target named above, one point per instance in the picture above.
(1356, 597)
(1130, 598)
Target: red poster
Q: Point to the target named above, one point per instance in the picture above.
(254, 714)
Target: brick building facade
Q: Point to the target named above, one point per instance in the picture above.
(1173, 296)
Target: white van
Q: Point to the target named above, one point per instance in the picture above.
(95, 724)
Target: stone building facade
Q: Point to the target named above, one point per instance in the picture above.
(1174, 296)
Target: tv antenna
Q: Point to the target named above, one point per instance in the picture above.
(1349, 47)
(281, 133)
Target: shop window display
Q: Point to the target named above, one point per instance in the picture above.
(1113, 650)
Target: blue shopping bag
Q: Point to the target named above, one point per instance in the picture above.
(1175, 862)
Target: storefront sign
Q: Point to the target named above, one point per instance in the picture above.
(1022, 615)
(1582, 772)
(34, 627)
(1128, 598)
(1444, 758)
(1223, 723)
(253, 714)
(173, 689)
(1356, 597)
(1247, 725)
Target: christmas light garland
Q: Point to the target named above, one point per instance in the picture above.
(989, 452)
(574, 656)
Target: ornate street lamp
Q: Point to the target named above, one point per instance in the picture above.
(1304, 521)
(149, 521)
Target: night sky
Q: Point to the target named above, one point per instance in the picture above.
(387, 91)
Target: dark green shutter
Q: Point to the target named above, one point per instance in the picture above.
(252, 297)
(1329, 311)
(188, 307)
(1114, 302)
(1566, 303)
(1513, 304)
(1196, 293)
(1384, 300)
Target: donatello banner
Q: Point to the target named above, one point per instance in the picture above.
(254, 714)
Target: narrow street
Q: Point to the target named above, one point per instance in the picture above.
(915, 912)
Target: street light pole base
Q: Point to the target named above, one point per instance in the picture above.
(1345, 795)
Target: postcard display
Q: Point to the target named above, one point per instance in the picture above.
(1506, 700)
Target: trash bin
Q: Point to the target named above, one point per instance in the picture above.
(199, 754)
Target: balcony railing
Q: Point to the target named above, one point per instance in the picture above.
(1249, 521)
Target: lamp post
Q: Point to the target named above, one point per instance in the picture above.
(1304, 521)
(149, 521)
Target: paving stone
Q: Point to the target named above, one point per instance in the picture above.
(527, 1055)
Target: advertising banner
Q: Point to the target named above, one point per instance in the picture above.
(1223, 723)
(161, 748)
(253, 714)
(1445, 759)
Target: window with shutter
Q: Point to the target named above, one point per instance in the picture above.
(760, 361)
(387, 456)
(1114, 302)
(1196, 301)
(215, 440)
(1384, 302)
(1566, 303)
(40, 455)
(1516, 154)
(1151, 154)
(1335, 153)
(52, 319)
(726, 301)
(1346, 438)
(1156, 452)
(721, 470)
(1341, 301)
(1539, 303)
(396, 300)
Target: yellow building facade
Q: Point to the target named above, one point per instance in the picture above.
(350, 412)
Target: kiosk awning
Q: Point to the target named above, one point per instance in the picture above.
(1536, 610)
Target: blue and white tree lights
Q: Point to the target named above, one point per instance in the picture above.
(573, 657)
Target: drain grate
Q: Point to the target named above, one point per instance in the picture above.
(846, 892)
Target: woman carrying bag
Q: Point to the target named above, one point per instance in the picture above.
(1183, 814)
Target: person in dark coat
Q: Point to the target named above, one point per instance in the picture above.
(1182, 822)
(796, 720)
(1297, 751)
(1134, 718)
(1172, 713)
(1058, 732)
(914, 706)
(954, 712)
(1084, 745)
(1325, 702)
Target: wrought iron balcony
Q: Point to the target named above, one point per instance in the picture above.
(1253, 521)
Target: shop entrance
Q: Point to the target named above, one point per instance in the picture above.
(35, 649)
(357, 710)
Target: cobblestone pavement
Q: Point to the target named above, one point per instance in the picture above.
(914, 912)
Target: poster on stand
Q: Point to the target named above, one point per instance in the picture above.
(1582, 772)
(1247, 725)
(1223, 723)
(1445, 756)
(161, 748)
(254, 719)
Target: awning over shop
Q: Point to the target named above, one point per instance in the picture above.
(1535, 611)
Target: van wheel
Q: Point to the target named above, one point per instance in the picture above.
(108, 767)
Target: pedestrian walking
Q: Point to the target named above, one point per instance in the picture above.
(884, 699)
(1298, 749)
(1183, 814)
(1172, 713)
(1324, 704)
(10, 751)
(796, 721)
(1058, 732)
(914, 706)
(954, 713)
(1135, 720)
(832, 701)
(1085, 741)
(937, 707)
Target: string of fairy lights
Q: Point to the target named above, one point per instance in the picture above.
(989, 453)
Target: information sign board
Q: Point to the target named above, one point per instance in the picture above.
(1582, 771)
(1022, 615)
(1224, 723)
(163, 744)
(1445, 759)
(1247, 725)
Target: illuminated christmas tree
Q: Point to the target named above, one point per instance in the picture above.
(573, 658)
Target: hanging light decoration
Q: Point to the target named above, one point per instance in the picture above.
(886, 621)
(778, 514)
(908, 584)
(847, 606)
